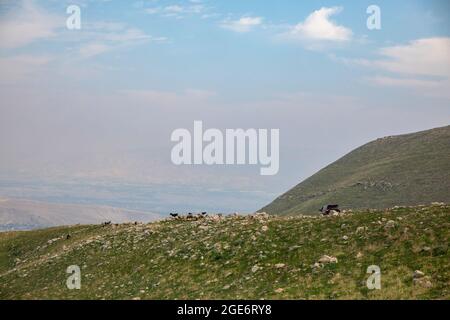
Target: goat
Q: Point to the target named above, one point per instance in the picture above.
(327, 209)
(174, 215)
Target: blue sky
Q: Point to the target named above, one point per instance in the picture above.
(99, 103)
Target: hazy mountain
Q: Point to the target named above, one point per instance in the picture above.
(16, 214)
(408, 169)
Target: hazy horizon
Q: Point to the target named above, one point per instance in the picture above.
(86, 115)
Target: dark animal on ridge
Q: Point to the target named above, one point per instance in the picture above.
(326, 210)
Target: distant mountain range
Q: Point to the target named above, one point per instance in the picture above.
(408, 169)
(17, 214)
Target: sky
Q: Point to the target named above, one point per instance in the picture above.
(97, 105)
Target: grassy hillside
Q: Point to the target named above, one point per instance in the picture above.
(236, 257)
(401, 170)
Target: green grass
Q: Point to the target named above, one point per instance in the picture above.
(409, 169)
(209, 259)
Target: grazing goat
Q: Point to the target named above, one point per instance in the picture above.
(107, 223)
(327, 209)
(174, 215)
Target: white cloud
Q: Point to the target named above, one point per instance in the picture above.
(178, 11)
(319, 27)
(101, 37)
(129, 34)
(153, 10)
(422, 64)
(26, 24)
(92, 49)
(173, 9)
(402, 82)
(244, 24)
(426, 57)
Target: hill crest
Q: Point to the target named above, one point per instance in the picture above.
(409, 169)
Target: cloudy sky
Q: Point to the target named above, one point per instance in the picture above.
(99, 104)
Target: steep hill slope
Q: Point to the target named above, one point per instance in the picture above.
(18, 214)
(400, 170)
(236, 257)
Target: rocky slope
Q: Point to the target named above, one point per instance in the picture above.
(237, 257)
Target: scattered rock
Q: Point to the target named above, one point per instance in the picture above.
(426, 249)
(390, 224)
(255, 268)
(345, 238)
(215, 218)
(334, 213)
(259, 216)
(360, 230)
(280, 265)
(327, 259)
(265, 228)
(359, 255)
(438, 204)
(279, 290)
(418, 274)
(419, 279)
